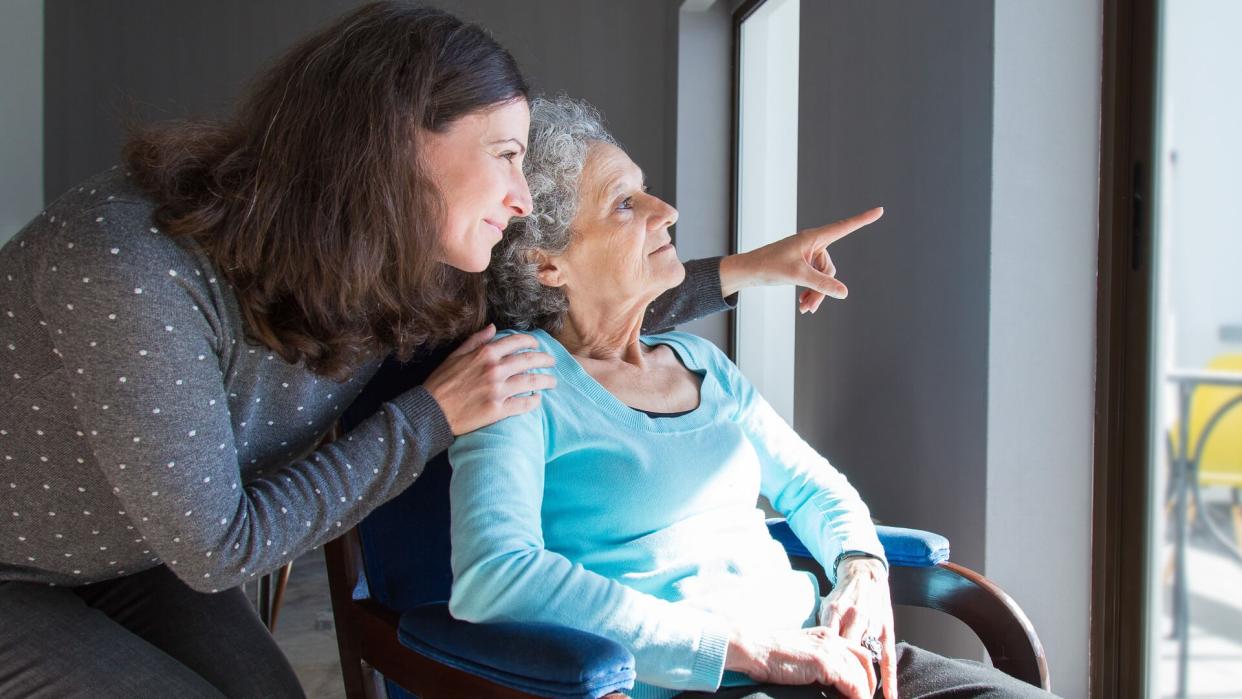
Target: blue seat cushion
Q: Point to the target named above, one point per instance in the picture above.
(911, 548)
(542, 659)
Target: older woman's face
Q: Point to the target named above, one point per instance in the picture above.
(621, 251)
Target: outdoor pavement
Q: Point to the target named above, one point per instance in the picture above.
(1215, 582)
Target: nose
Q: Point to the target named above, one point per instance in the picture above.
(517, 199)
(665, 216)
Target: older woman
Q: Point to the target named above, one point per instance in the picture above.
(625, 504)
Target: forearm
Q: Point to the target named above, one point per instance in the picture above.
(674, 644)
(216, 532)
(739, 272)
(823, 508)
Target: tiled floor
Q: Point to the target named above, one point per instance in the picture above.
(304, 629)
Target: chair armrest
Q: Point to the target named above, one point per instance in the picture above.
(540, 659)
(924, 577)
(911, 548)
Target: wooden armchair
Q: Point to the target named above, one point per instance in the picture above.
(390, 580)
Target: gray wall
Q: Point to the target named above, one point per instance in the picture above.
(920, 385)
(704, 142)
(107, 62)
(896, 110)
(21, 115)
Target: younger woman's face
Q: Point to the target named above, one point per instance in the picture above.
(477, 164)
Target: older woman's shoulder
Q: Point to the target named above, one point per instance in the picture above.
(543, 341)
(700, 350)
(540, 336)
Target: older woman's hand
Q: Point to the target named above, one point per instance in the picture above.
(800, 259)
(804, 656)
(859, 606)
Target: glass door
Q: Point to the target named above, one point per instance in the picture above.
(1194, 602)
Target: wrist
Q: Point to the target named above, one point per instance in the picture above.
(736, 273)
(861, 563)
(739, 656)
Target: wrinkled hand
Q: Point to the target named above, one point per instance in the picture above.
(483, 381)
(800, 259)
(804, 656)
(860, 606)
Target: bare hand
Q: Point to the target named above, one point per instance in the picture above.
(860, 606)
(800, 259)
(483, 381)
(805, 656)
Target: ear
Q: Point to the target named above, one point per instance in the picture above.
(548, 270)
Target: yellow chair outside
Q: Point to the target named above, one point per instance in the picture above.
(1220, 462)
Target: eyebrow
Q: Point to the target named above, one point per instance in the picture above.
(514, 141)
(617, 186)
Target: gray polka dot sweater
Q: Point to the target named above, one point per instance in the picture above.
(140, 425)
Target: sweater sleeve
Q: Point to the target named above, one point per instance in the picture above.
(142, 359)
(502, 572)
(823, 509)
(698, 295)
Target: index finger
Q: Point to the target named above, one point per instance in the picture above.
(475, 341)
(510, 344)
(831, 233)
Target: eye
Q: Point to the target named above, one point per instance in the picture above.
(626, 203)
(509, 155)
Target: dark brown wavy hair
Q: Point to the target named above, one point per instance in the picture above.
(311, 199)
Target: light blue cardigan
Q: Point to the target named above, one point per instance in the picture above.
(589, 514)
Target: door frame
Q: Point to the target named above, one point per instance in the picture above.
(1122, 474)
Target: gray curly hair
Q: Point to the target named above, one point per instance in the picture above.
(561, 131)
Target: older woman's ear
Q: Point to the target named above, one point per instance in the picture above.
(548, 272)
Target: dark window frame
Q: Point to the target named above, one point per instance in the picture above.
(1123, 397)
(740, 14)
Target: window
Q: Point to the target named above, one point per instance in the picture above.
(767, 189)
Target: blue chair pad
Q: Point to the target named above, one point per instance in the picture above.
(911, 548)
(542, 659)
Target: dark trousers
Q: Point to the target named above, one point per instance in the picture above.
(921, 674)
(143, 635)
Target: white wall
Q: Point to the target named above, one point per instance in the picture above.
(1041, 355)
(21, 114)
(767, 192)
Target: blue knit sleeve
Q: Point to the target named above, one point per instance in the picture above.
(822, 508)
(502, 572)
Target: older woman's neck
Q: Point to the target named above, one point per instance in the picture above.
(605, 335)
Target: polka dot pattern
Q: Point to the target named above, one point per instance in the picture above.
(142, 427)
